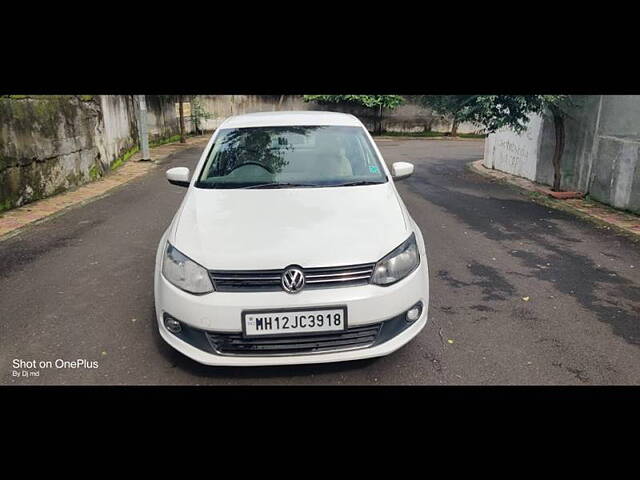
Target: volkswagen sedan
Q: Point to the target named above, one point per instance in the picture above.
(291, 246)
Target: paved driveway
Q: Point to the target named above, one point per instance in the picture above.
(519, 294)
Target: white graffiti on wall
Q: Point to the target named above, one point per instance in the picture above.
(511, 154)
(515, 153)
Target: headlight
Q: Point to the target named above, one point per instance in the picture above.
(398, 264)
(184, 273)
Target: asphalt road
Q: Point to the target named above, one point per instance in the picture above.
(520, 294)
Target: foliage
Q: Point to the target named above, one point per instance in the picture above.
(494, 112)
(447, 104)
(369, 101)
(127, 155)
(374, 102)
(95, 172)
(198, 113)
(163, 141)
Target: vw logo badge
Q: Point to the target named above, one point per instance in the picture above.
(293, 280)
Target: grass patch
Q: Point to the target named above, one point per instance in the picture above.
(132, 151)
(6, 205)
(175, 138)
(128, 154)
(95, 172)
(411, 134)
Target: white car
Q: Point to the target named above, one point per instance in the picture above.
(291, 246)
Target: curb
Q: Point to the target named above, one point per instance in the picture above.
(603, 216)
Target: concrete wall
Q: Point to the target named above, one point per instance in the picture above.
(601, 155)
(409, 117)
(119, 130)
(161, 118)
(515, 153)
(49, 144)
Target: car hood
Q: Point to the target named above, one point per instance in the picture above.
(255, 229)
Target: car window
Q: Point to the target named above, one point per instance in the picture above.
(290, 156)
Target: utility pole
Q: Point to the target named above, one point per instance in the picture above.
(180, 100)
(142, 129)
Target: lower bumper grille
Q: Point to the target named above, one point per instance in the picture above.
(235, 343)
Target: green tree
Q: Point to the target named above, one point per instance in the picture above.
(375, 103)
(494, 112)
(448, 105)
(198, 114)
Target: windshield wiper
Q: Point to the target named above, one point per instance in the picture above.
(282, 185)
(354, 184)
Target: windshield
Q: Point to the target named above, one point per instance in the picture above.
(288, 157)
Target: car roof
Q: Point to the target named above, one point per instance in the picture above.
(281, 118)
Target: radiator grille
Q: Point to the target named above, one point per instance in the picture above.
(269, 280)
(235, 343)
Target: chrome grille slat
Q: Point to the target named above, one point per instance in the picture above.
(337, 269)
(347, 279)
(270, 280)
(247, 278)
(322, 275)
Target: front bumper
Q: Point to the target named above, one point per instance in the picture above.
(220, 312)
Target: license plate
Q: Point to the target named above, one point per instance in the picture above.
(290, 322)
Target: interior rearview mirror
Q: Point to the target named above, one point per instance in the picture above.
(400, 170)
(178, 176)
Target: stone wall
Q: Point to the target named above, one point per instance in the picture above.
(47, 144)
(601, 156)
(50, 143)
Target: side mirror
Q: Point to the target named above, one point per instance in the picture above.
(178, 176)
(400, 170)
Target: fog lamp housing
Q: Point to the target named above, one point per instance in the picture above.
(173, 325)
(414, 312)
